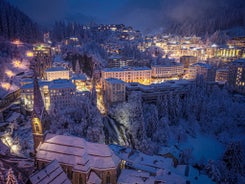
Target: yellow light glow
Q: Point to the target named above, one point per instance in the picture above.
(17, 64)
(29, 54)
(17, 42)
(14, 148)
(5, 85)
(9, 73)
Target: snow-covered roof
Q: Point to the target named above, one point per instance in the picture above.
(13, 117)
(115, 57)
(114, 81)
(79, 77)
(222, 70)
(205, 65)
(58, 58)
(241, 61)
(51, 174)
(153, 168)
(168, 64)
(77, 152)
(30, 85)
(140, 161)
(129, 176)
(61, 83)
(160, 86)
(125, 69)
(55, 69)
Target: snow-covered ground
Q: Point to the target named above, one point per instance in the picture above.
(204, 147)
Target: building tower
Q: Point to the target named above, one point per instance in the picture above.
(40, 120)
(77, 67)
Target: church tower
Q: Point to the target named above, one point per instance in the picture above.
(39, 116)
(77, 67)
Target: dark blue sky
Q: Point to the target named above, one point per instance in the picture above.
(142, 14)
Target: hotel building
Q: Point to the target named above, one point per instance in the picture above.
(128, 74)
(168, 70)
(58, 92)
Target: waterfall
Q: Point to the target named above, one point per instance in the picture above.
(114, 132)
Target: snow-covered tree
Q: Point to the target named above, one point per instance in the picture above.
(2, 180)
(11, 179)
(234, 157)
(213, 171)
(82, 119)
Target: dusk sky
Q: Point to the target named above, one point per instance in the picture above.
(142, 14)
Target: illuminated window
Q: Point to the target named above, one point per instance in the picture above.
(37, 128)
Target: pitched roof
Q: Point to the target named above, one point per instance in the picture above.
(51, 174)
(77, 152)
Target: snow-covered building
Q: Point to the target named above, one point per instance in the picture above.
(167, 70)
(154, 92)
(57, 73)
(61, 91)
(236, 79)
(80, 81)
(115, 90)
(128, 74)
(140, 168)
(51, 173)
(82, 161)
(57, 92)
(201, 69)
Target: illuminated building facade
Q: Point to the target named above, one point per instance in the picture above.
(165, 71)
(128, 74)
(236, 78)
(114, 90)
(41, 49)
(61, 92)
(221, 75)
(201, 69)
(57, 73)
(58, 92)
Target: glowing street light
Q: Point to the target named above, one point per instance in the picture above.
(9, 73)
(5, 85)
(29, 54)
(17, 64)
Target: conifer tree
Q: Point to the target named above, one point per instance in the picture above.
(11, 179)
